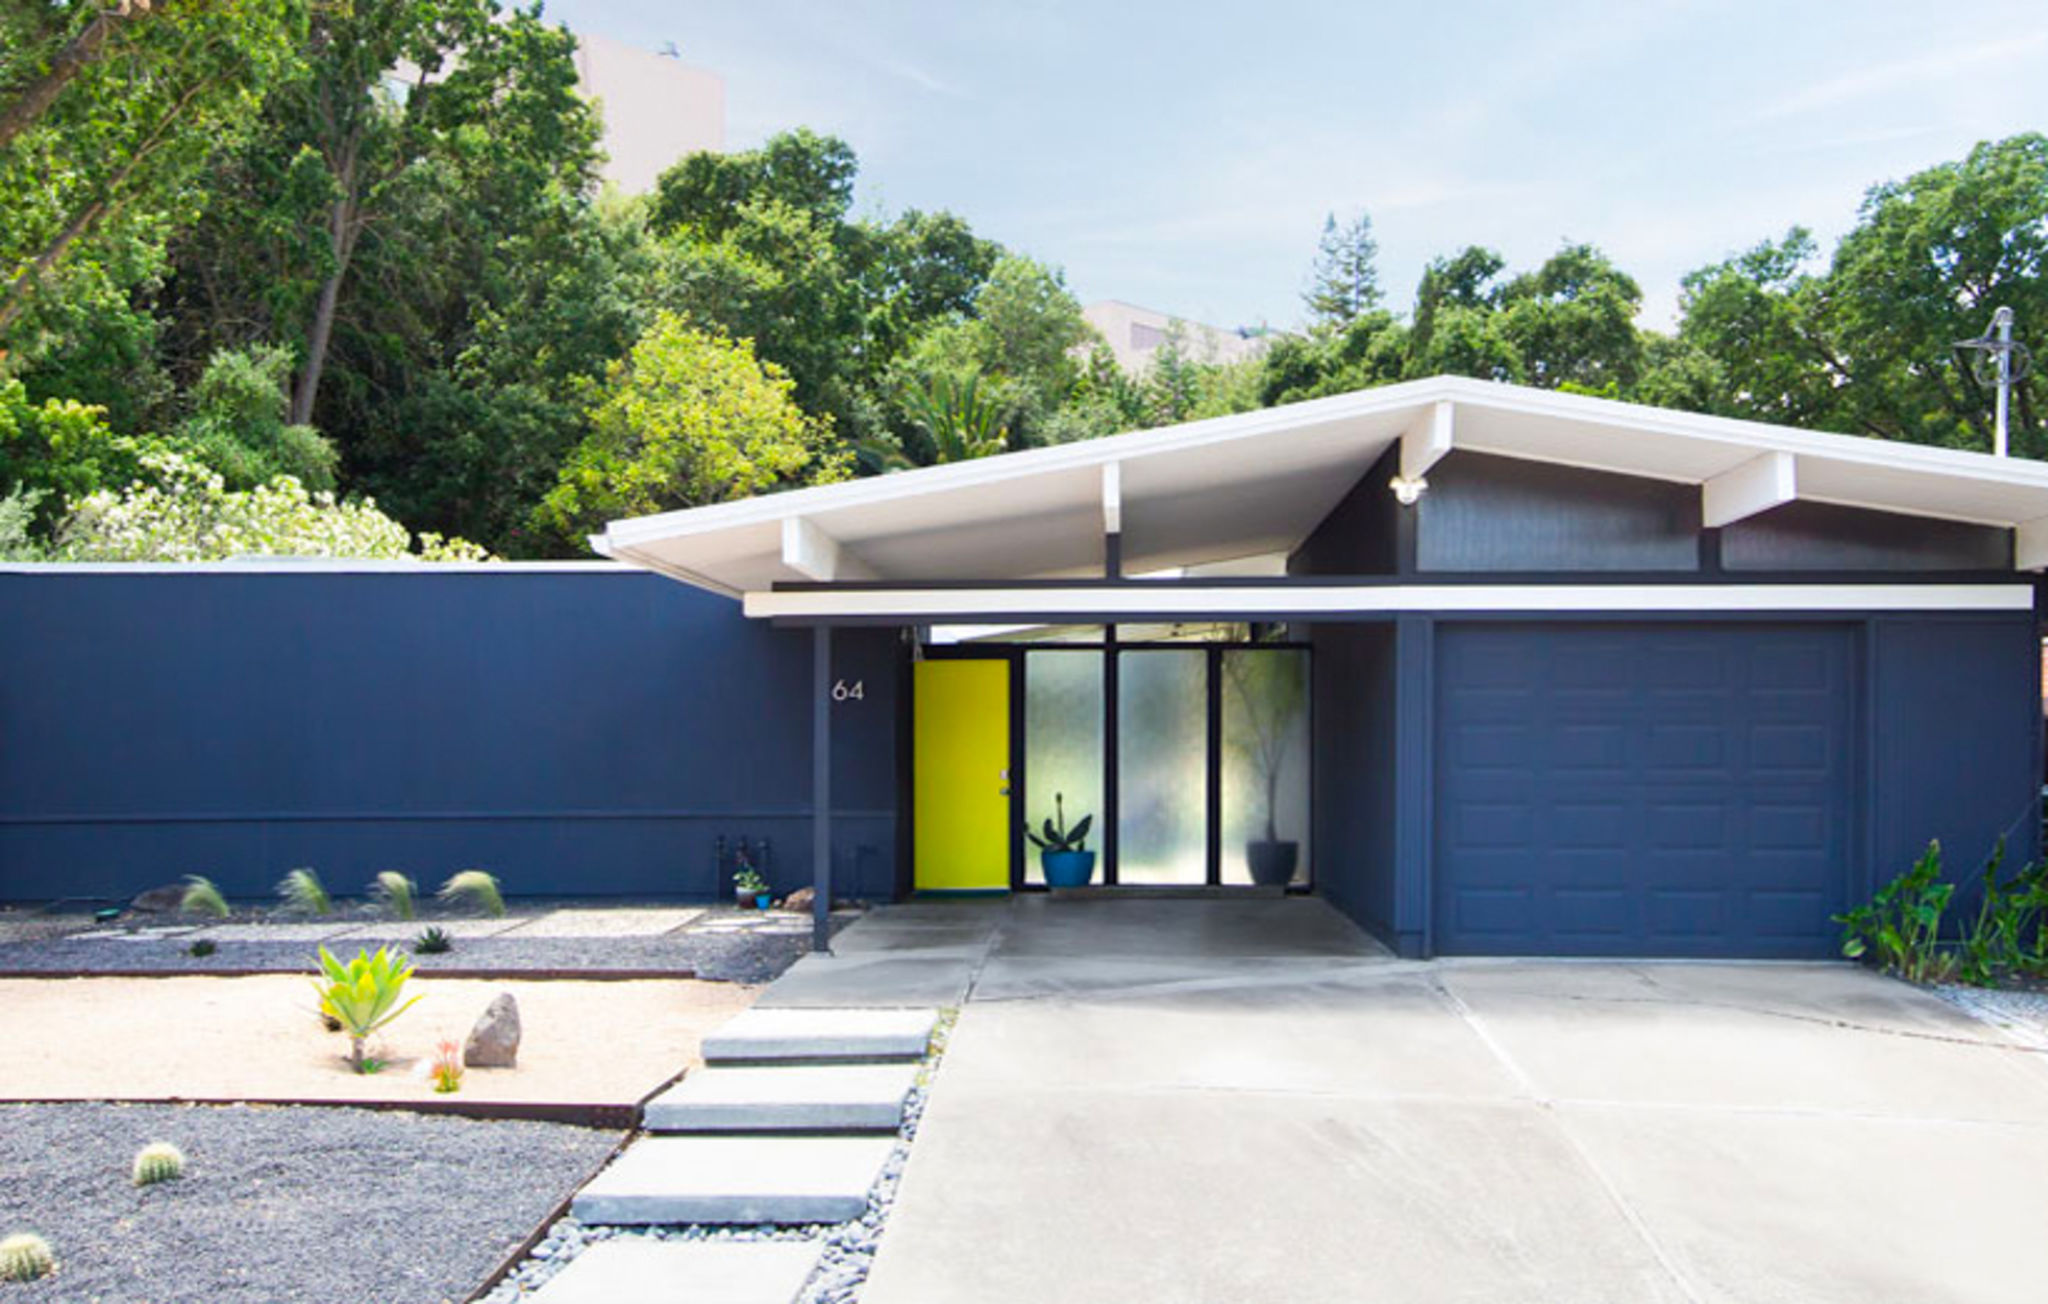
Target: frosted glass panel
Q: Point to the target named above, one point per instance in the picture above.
(1162, 767)
(1265, 765)
(1062, 743)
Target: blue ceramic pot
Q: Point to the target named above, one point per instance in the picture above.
(1067, 868)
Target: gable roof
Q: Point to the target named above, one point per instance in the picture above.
(1259, 482)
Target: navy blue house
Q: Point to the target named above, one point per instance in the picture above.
(1494, 671)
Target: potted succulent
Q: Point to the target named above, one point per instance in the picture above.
(1271, 688)
(1062, 851)
(750, 889)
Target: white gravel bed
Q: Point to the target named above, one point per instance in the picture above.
(280, 1205)
(2022, 1015)
(846, 1250)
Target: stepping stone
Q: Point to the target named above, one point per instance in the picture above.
(816, 1035)
(736, 1179)
(785, 1098)
(636, 1270)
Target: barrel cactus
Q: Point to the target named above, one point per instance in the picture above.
(25, 1256)
(159, 1161)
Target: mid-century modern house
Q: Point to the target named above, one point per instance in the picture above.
(1493, 670)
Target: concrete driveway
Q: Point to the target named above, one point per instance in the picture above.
(1263, 1125)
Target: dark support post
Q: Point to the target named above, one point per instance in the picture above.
(821, 789)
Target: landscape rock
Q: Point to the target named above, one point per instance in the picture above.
(494, 1041)
(160, 900)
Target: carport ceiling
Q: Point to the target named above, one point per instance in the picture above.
(1260, 482)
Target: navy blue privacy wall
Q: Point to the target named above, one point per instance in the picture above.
(575, 731)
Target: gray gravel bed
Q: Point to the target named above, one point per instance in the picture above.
(846, 1250)
(280, 1205)
(2021, 1014)
(747, 957)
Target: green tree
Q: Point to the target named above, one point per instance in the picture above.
(1572, 322)
(238, 425)
(1928, 260)
(1344, 283)
(691, 418)
(107, 113)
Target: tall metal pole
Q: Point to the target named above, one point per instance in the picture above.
(2002, 322)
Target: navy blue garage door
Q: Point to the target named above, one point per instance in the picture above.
(1642, 790)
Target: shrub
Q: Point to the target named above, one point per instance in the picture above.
(364, 994)
(1901, 927)
(477, 889)
(2010, 932)
(25, 1256)
(203, 898)
(397, 892)
(433, 941)
(302, 891)
(200, 949)
(159, 1161)
(447, 1069)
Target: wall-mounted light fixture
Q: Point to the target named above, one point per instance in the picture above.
(1407, 491)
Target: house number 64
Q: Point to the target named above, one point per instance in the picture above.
(845, 692)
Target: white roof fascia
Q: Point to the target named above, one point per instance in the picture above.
(1117, 602)
(1741, 465)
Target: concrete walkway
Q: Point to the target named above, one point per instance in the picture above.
(1162, 1101)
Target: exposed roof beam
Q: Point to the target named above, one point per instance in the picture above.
(1761, 483)
(814, 554)
(1112, 497)
(1424, 444)
(2030, 544)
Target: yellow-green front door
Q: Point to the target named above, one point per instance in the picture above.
(961, 782)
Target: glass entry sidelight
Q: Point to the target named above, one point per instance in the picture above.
(1162, 768)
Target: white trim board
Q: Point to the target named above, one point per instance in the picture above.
(1125, 601)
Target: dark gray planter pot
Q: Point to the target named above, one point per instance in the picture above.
(1272, 863)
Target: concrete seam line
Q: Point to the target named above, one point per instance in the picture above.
(1549, 1106)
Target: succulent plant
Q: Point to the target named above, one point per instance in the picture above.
(203, 898)
(447, 1067)
(25, 1256)
(364, 993)
(433, 941)
(302, 891)
(159, 1161)
(397, 892)
(476, 888)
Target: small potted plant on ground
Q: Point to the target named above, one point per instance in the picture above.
(750, 889)
(1062, 851)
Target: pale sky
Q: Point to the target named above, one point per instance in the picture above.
(1182, 156)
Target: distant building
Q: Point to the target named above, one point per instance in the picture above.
(656, 108)
(1134, 334)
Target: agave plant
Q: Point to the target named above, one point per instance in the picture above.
(476, 888)
(203, 898)
(302, 891)
(397, 892)
(364, 994)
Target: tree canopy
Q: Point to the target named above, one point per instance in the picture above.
(266, 263)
